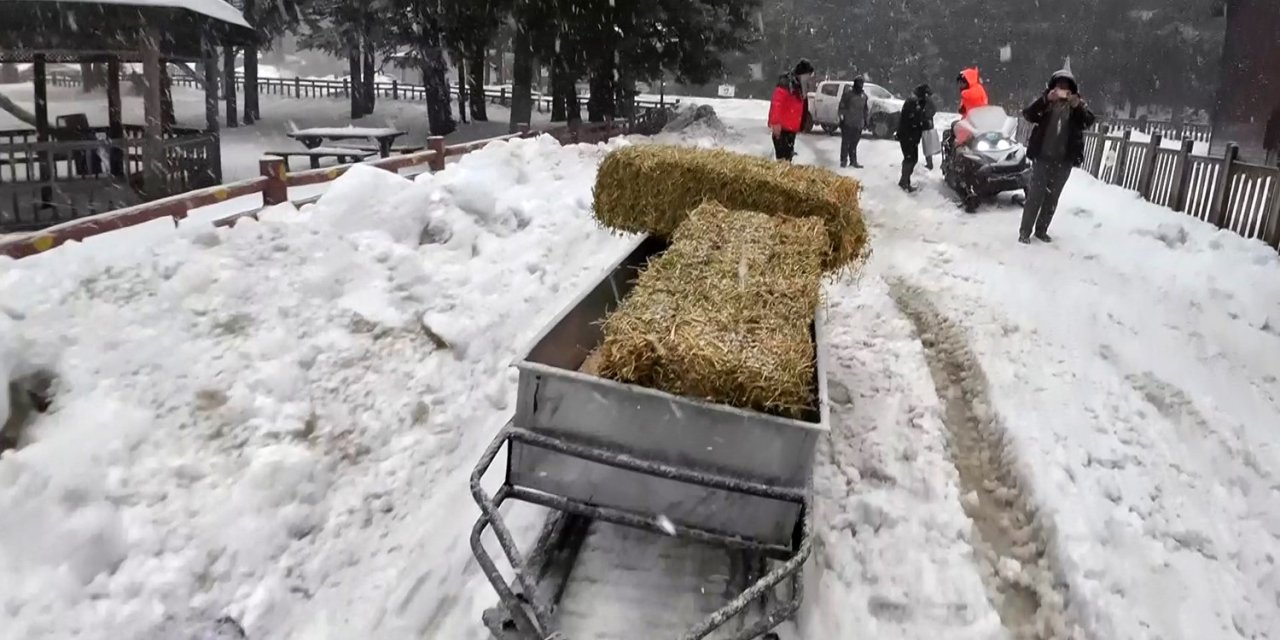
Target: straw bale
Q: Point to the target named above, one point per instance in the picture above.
(652, 188)
(724, 314)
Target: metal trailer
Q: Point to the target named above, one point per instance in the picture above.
(594, 449)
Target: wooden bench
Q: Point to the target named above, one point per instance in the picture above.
(341, 154)
(401, 149)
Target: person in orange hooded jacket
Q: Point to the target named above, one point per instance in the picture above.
(972, 93)
(786, 110)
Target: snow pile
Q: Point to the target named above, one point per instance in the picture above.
(242, 414)
(696, 116)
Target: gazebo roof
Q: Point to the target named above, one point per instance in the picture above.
(77, 30)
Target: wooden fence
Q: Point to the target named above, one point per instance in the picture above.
(1168, 130)
(1223, 191)
(312, 88)
(274, 181)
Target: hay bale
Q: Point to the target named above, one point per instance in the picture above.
(724, 314)
(652, 189)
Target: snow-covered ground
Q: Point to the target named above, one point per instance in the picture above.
(256, 422)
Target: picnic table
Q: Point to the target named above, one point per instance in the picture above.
(316, 136)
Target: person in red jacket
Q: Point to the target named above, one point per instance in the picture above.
(786, 110)
(972, 93)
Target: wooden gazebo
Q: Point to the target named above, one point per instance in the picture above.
(64, 170)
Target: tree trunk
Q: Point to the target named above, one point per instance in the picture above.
(573, 106)
(559, 97)
(251, 112)
(87, 79)
(435, 81)
(370, 77)
(601, 103)
(354, 86)
(521, 80)
(479, 107)
(229, 84)
(462, 87)
(16, 110)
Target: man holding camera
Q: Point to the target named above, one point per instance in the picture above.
(1056, 146)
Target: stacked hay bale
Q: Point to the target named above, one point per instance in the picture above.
(725, 313)
(652, 188)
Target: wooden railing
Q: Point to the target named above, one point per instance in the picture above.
(311, 88)
(52, 182)
(274, 181)
(1168, 130)
(1227, 193)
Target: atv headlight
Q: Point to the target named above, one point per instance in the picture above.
(983, 145)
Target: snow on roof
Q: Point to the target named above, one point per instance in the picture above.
(216, 9)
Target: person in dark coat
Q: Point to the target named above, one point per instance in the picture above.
(1056, 145)
(786, 110)
(855, 111)
(913, 121)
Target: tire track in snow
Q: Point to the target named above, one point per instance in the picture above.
(1019, 574)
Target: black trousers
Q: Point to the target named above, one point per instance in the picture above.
(849, 139)
(784, 145)
(1048, 177)
(910, 156)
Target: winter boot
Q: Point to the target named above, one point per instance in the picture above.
(1043, 236)
(1024, 239)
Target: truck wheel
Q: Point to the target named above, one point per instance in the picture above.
(830, 129)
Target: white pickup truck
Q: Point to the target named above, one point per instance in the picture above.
(824, 108)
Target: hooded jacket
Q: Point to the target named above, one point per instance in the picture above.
(855, 108)
(786, 107)
(1038, 113)
(916, 116)
(973, 96)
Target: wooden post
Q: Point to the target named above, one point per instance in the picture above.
(297, 87)
(167, 116)
(153, 169)
(436, 144)
(43, 158)
(41, 80)
(1095, 167)
(1271, 226)
(115, 117)
(1181, 177)
(275, 171)
(395, 90)
(210, 51)
(1122, 153)
(1221, 197)
(1148, 170)
(229, 85)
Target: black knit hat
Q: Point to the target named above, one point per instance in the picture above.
(803, 67)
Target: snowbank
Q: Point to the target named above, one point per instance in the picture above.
(240, 415)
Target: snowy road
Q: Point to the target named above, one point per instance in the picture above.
(1077, 439)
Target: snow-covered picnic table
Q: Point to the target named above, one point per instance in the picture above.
(316, 136)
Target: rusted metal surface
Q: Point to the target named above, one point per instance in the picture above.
(175, 207)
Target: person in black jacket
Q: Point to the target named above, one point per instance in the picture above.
(1056, 145)
(913, 121)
